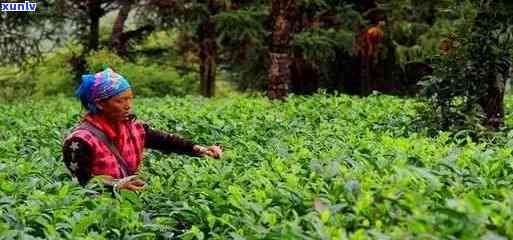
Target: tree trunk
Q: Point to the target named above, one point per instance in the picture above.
(304, 76)
(365, 75)
(283, 13)
(95, 12)
(119, 41)
(208, 56)
(493, 104)
(391, 76)
(279, 76)
(208, 51)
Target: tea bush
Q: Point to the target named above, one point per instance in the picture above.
(321, 167)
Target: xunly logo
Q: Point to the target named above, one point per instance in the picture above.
(18, 7)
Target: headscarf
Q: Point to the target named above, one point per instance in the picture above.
(100, 86)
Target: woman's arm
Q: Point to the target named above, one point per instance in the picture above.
(166, 142)
(76, 155)
(169, 143)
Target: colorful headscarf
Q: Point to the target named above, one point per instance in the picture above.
(100, 86)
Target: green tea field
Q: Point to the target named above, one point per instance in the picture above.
(321, 167)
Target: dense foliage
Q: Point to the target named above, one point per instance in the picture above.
(471, 75)
(321, 167)
(324, 36)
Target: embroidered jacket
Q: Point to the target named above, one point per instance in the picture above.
(86, 156)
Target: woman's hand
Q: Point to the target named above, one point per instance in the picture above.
(129, 183)
(132, 185)
(214, 151)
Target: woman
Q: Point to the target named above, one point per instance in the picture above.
(110, 142)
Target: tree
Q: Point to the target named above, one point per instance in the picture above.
(85, 17)
(368, 50)
(220, 33)
(317, 32)
(469, 78)
(402, 35)
(490, 58)
(243, 30)
(120, 38)
(208, 49)
(27, 35)
(322, 48)
(198, 17)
